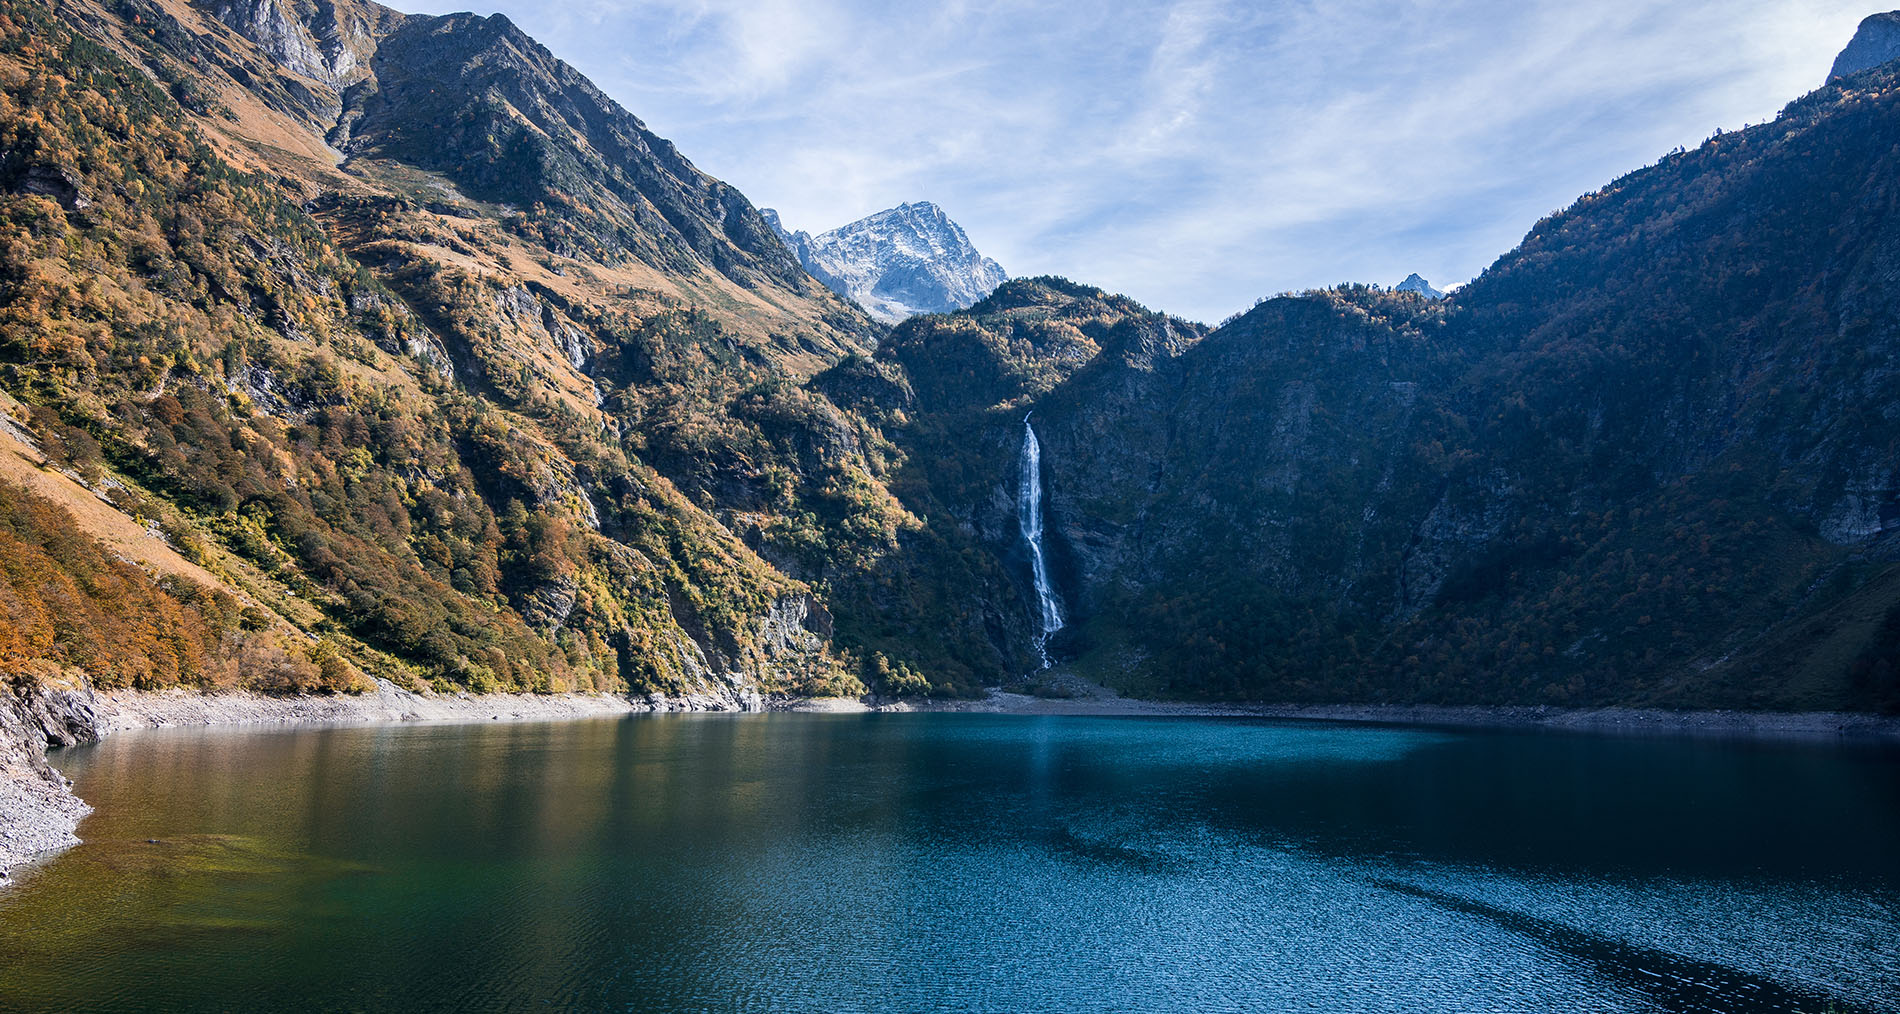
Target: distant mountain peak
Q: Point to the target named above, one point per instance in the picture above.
(1877, 41)
(1413, 283)
(897, 263)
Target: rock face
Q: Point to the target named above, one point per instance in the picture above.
(38, 811)
(481, 102)
(1877, 41)
(1646, 456)
(899, 263)
(330, 43)
(1413, 283)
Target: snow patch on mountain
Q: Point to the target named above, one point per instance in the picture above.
(1413, 283)
(898, 263)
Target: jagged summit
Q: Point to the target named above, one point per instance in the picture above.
(455, 374)
(1877, 41)
(529, 132)
(1413, 283)
(333, 45)
(898, 263)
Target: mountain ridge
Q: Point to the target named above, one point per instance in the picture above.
(1876, 41)
(464, 402)
(898, 263)
(1482, 498)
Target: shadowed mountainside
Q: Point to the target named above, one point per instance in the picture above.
(1647, 456)
(377, 343)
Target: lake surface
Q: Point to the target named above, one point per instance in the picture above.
(962, 863)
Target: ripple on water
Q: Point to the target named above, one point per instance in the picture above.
(958, 862)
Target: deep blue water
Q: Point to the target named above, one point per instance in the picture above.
(947, 862)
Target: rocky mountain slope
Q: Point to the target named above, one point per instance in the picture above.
(898, 263)
(1877, 41)
(376, 343)
(339, 343)
(1647, 456)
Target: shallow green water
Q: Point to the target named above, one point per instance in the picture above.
(962, 863)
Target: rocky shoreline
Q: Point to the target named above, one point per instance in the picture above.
(1076, 697)
(1818, 726)
(39, 812)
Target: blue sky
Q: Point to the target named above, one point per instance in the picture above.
(1195, 154)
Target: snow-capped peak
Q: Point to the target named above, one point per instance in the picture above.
(898, 263)
(1413, 283)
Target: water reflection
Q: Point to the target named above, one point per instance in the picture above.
(921, 862)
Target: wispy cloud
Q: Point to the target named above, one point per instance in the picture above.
(1196, 153)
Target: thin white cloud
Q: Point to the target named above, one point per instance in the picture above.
(1196, 153)
(1181, 76)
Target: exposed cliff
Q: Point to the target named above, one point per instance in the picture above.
(1877, 41)
(1641, 458)
(38, 811)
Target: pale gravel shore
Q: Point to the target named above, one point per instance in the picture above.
(37, 818)
(38, 814)
(123, 710)
(1090, 699)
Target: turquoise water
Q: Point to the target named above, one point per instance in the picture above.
(962, 863)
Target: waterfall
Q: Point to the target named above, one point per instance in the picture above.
(1029, 517)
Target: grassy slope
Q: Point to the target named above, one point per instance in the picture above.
(462, 457)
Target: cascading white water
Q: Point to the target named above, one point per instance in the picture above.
(1029, 517)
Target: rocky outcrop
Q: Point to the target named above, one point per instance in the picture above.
(38, 812)
(796, 623)
(57, 182)
(1877, 41)
(898, 263)
(330, 42)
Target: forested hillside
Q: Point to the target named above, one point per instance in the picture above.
(535, 413)
(338, 343)
(1648, 456)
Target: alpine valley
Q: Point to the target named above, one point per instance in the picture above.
(344, 350)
